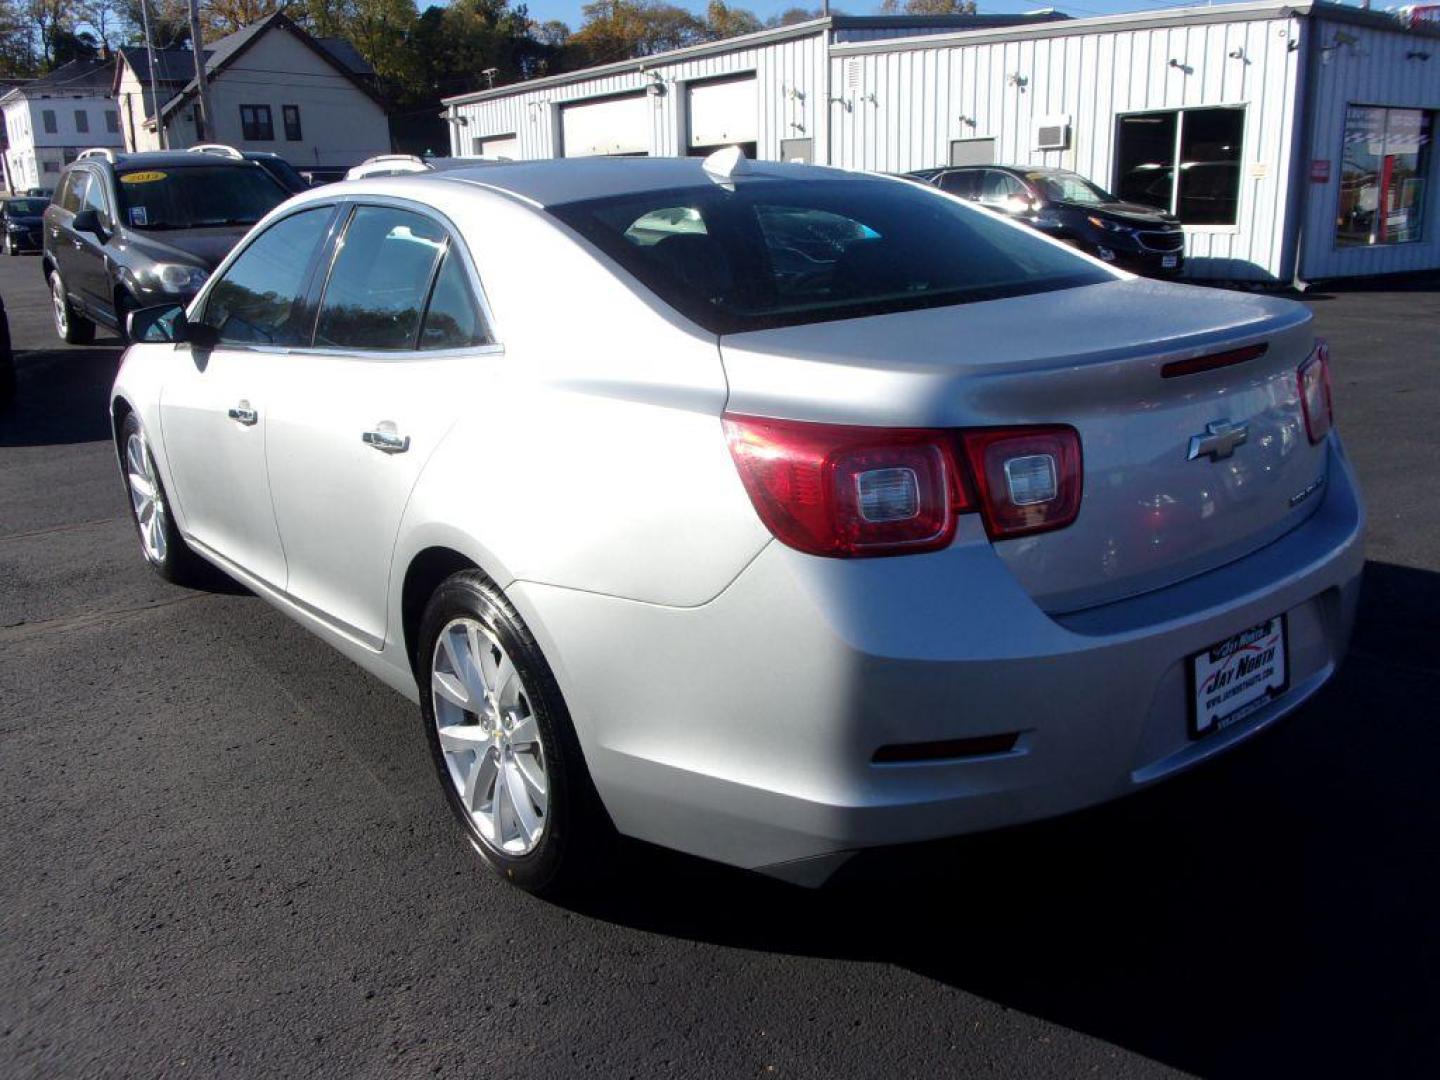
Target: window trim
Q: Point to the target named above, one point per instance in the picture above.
(286, 112)
(313, 288)
(1243, 108)
(1426, 228)
(269, 123)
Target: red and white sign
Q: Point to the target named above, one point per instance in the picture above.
(1320, 171)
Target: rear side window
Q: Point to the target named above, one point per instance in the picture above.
(769, 253)
(379, 280)
(453, 319)
(257, 301)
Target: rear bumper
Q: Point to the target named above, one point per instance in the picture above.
(744, 730)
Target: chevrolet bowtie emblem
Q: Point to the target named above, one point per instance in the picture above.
(1219, 441)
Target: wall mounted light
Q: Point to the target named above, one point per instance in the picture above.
(1416, 54)
(1238, 54)
(794, 93)
(1178, 66)
(843, 102)
(968, 121)
(1016, 79)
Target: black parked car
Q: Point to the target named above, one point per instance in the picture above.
(283, 172)
(20, 218)
(1068, 207)
(128, 231)
(7, 360)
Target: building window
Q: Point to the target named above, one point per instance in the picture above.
(1202, 146)
(52, 166)
(47, 117)
(112, 121)
(1383, 166)
(255, 123)
(291, 115)
(82, 121)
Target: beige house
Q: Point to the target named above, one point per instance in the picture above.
(273, 88)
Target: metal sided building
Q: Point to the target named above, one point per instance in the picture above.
(1294, 141)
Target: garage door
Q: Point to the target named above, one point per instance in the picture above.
(724, 112)
(613, 126)
(506, 146)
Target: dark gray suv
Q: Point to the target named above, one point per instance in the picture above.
(127, 231)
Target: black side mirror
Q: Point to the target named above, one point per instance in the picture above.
(200, 335)
(88, 221)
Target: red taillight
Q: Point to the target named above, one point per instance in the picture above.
(843, 491)
(1314, 378)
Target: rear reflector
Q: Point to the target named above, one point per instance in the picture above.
(946, 749)
(1197, 364)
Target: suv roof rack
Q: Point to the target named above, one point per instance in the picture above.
(97, 151)
(218, 149)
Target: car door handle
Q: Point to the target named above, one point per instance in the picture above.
(243, 414)
(387, 441)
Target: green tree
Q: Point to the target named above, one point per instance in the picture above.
(625, 29)
(18, 56)
(724, 21)
(791, 16)
(928, 7)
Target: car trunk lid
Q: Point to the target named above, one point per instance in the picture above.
(1153, 513)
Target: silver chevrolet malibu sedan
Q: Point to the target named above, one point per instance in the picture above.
(760, 511)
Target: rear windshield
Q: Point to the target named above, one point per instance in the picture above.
(196, 196)
(786, 252)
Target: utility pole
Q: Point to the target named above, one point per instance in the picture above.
(205, 119)
(154, 89)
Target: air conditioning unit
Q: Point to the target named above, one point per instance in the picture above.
(1052, 133)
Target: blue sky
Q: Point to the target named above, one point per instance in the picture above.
(568, 11)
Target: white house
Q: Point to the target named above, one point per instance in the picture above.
(49, 120)
(273, 87)
(1301, 132)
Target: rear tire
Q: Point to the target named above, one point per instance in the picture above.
(72, 328)
(160, 540)
(504, 747)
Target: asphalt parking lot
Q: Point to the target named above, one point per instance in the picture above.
(223, 851)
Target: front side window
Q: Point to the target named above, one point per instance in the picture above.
(197, 196)
(255, 124)
(292, 122)
(1185, 161)
(379, 279)
(1383, 167)
(1002, 191)
(94, 199)
(258, 300)
(72, 190)
(785, 252)
(1068, 187)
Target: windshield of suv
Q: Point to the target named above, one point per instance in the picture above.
(785, 252)
(196, 196)
(1070, 187)
(26, 207)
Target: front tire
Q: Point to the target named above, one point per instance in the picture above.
(160, 540)
(73, 329)
(502, 742)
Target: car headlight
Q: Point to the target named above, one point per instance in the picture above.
(1108, 225)
(175, 277)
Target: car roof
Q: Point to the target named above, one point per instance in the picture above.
(553, 182)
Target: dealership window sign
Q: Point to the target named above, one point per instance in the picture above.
(1383, 169)
(1320, 171)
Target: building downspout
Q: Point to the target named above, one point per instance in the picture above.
(1299, 201)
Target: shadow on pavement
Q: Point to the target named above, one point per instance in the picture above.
(1270, 914)
(62, 396)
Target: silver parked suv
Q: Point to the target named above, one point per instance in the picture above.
(762, 511)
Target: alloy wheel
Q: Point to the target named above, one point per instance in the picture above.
(146, 498)
(62, 309)
(490, 737)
